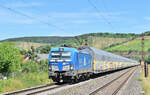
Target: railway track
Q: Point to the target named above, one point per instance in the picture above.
(114, 86)
(111, 88)
(36, 90)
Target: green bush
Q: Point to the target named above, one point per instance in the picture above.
(43, 65)
(23, 52)
(30, 67)
(10, 58)
(45, 49)
(148, 59)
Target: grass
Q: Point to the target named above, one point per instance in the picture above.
(97, 42)
(102, 42)
(146, 83)
(24, 81)
(139, 79)
(134, 45)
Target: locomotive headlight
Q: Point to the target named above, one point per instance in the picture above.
(71, 67)
(50, 67)
(55, 68)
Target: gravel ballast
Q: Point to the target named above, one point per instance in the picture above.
(86, 87)
(133, 85)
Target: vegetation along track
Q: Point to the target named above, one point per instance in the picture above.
(113, 87)
(36, 90)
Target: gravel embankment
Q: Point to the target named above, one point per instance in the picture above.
(86, 87)
(133, 86)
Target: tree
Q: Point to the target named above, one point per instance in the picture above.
(45, 49)
(32, 49)
(148, 59)
(149, 50)
(32, 53)
(10, 58)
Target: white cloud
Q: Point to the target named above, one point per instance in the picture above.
(86, 17)
(147, 18)
(59, 18)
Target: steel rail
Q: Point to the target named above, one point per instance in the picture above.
(109, 83)
(44, 90)
(123, 83)
(32, 89)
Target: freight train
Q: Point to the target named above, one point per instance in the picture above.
(68, 64)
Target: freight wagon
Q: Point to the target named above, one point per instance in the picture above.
(70, 65)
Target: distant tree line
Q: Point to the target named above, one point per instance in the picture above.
(147, 33)
(52, 40)
(114, 35)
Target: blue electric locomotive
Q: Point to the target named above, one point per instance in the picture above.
(69, 64)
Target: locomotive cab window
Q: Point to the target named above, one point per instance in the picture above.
(61, 55)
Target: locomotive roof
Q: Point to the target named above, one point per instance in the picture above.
(64, 48)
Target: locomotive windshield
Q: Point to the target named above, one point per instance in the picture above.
(60, 56)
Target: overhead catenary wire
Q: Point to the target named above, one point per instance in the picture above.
(49, 16)
(30, 17)
(98, 11)
(105, 7)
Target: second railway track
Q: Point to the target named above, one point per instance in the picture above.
(36, 90)
(113, 87)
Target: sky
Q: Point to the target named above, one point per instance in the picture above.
(72, 17)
